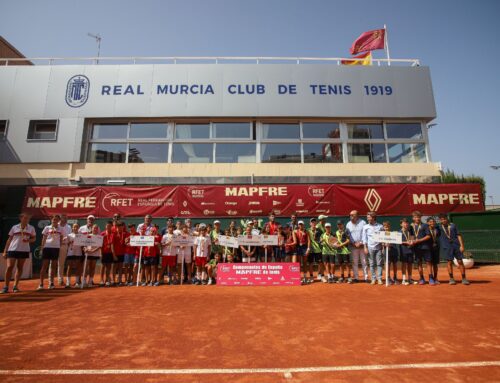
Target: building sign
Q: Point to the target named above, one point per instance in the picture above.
(283, 200)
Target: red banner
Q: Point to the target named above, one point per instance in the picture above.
(252, 200)
(258, 274)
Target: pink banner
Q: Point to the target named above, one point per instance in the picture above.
(258, 274)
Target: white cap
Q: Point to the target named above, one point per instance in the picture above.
(90, 216)
(216, 221)
(322, 217)
(300, 222)
(328, 224)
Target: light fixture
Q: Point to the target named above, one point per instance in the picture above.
(116, 182)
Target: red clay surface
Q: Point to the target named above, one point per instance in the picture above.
(185, 327)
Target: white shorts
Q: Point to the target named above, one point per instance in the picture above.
(187, 257)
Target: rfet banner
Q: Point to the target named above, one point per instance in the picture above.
(258, 274)
(253, 200)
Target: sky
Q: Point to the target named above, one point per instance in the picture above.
(458, 40)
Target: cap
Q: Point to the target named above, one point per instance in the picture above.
(249, 222)
(328, 224)
(216, 221)
(322, 217)
(312, 219)
(339, 222)
(90, 216)
(300, 222)
(202, 226)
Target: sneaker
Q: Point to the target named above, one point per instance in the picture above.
(391, 282)
(432, 282)
(452, 281)
(304, 281)
(130, 284)
(61, 282)
(320, 277)
(204, 282)
(51, 286)
(310, 280)
(464, 281)
(421, 281)
(120, 284)
(324, 279)
(406, 283)
(373, 282)
(67, 286)
(413, 282)
(101, 284)
(91, 284)
(436, 282)
(340, 280)
(198, 282)
(5, 290)
(355, 280)
(156, 284)
(210, 281)
(15, 289)
(396, 282)
(144, 284)
(330, 280)
(150, 284)
(349, 280)
(40, 287)
(77, 285)
(107, 284)
(380, 282)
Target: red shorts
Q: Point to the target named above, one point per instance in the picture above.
(168, 260)
(200, 261)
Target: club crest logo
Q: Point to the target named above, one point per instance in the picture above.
(77, 91)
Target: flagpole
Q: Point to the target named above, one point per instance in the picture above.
(387, 46)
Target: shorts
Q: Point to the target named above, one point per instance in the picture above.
(50, 253)
(200, 261)
(435, 255)
(301, 250)
(328, 258)
(344, 258)
(393, 255)
(150, 261)
(119, 259)
(314, 258)
(168, 260)
(18, 254)
(91, 258)
(406, 257)
(187, 258)
(423, 254)
(129, 259)
(107, 258)
(75, 258)
(452, 253)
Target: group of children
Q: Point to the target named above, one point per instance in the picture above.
(194, 259)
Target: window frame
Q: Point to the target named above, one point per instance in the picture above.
(3, 137)
(32, 129)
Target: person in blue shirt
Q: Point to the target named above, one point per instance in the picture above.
(373, 248)
(452, 245)
(406, 253)
(435, 233)
(422, 247)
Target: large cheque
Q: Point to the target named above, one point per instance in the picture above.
(88, 240)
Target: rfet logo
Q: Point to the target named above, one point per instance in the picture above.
(113, 200)
(225, 268)
(196, 192)
(372, 199)
(316, 191)
(77, 90)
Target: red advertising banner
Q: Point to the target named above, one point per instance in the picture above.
(252, 200)
(258, 274)
(445, 198)
(42, 202)
(139, 201)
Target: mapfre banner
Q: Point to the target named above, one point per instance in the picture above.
(252, 200)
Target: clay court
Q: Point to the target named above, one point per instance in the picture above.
(320, 333)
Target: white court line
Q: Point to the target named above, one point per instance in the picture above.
(219, 371)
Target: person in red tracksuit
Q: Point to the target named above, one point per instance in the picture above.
(120, 236)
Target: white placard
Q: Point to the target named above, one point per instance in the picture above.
(88, 240)
(387, 237)
(249, 240)
(269, 240)
(183, 240)
(228, 241)
(142, 240)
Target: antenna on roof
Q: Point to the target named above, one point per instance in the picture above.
(97, 38)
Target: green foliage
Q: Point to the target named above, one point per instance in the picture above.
(450, 177)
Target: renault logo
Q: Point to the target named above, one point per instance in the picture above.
(372, 199)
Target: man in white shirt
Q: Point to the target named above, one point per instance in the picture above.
(354, 229)
(373, 248)
(63, 250)
(145, 227)
(87, 229)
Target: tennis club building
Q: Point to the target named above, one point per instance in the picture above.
(220, 138)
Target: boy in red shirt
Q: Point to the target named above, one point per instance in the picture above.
(150, 260)
(130, 253)
(120, 248)
(108, 252)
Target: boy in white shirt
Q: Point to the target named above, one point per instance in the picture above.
(17, 250)
(74, 257)
(51, 243)
(202, 248)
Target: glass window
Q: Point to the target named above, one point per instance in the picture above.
(109, 131)
(192, 153)
(366, 153)
(3, 129)
(42, 130)
(406, 153)
(287, 131)
(320, 130)
(411, 131)
(107, 152)
(147, 153)
(322, 152)
(235, 153)
(280, 152)
(148, 131)
(365, 131)
(192, 131)
(232, 130)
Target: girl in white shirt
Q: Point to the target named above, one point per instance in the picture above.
(51, 243)
(17, 250)
(74, 258)
(92, 254)
(202, 247)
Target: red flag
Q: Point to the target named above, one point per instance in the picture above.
(369, 41)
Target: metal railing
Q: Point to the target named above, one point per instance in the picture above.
(201, 59)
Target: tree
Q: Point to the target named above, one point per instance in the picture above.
(450, 177)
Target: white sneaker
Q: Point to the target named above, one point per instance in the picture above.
(324, 279)
(320, 277)
(77, 285)
(209, 281)
(51, 286)
(40, 287)
(107, 284)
